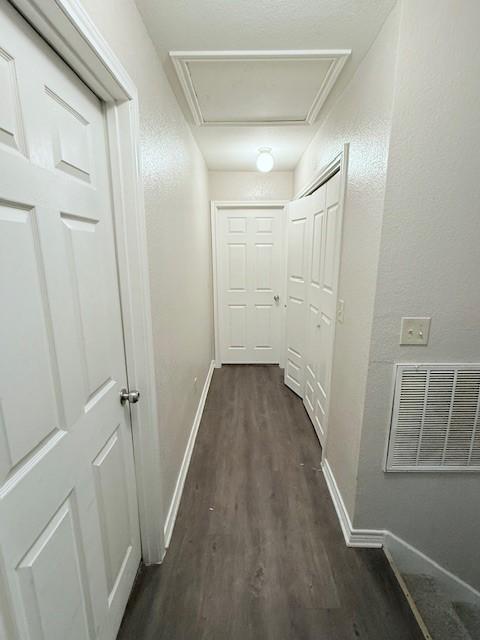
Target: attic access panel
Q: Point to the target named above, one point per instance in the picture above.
(257, 87)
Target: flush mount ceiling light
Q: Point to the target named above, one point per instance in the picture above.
(265, 160)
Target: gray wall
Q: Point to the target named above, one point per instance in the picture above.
(429, 265)
(362, 117)
(178, 233)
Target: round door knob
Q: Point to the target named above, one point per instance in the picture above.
(129, 396)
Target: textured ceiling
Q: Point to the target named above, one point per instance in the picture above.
(261, 24)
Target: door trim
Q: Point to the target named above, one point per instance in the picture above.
(66, 26)
(337, 163)
(215, 207)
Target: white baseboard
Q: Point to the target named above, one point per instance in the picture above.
(353, 537)
(407, 558)
(177, 494)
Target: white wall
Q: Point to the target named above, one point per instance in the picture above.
(251, 185)
(429, 265)
(411, 247)
(178, 233)
(362, 117)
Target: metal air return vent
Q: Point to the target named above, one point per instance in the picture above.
(435, 418)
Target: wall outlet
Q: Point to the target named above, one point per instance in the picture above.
(340, 310)
(195, 383)
(415, 331)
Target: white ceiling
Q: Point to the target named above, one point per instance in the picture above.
(273, 90)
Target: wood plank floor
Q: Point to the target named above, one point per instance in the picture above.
(257, 552)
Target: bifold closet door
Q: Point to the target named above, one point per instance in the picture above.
(69, 533)
(322, 302)
(249, 263)
(299, 234)
(314, 243)
(313, 308)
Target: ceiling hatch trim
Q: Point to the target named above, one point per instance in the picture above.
(184, 61)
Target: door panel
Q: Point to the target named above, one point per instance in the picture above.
(298, 248)
(249, 265)
(25, 337)
(314, 312)
(84, 245)
(323, 371)
(11, 122)
(69, 540)
(312, 347)
(237, 266)
(314, 237)
(52, 578)
(331, 244)
(262, 326)
(69, 137)
(237, 326)
(263, 269)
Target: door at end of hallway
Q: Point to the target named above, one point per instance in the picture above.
(249, 250)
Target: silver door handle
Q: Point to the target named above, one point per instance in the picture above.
(129, 396)
(276, 298)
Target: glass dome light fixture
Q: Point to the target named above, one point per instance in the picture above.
(265, 160)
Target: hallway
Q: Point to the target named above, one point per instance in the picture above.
(257, 551)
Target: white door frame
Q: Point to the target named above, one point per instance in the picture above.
(68, 29)
(338, 164)
(215, 207)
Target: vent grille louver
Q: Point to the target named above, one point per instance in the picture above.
(435, 418)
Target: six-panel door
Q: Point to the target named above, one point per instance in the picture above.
(314, 239)
(249, 250)
(69, 539)
(313, 307)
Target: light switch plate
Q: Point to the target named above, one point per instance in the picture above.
(415, 331)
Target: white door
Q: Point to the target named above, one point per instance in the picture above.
(313, 307)
(249, 253)
(328, 253)
(314, 241)
(69, 537)
(298, 248)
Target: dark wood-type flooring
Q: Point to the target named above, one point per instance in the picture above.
(257, 552)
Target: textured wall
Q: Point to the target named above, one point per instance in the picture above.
(251, 185)
(362, 117)
(178, 230)
(429, 265)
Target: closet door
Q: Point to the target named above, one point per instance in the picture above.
(330, 264)
(314, 243)
(69, 532)
(313, 307)
(298, 247)
(323, 266)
